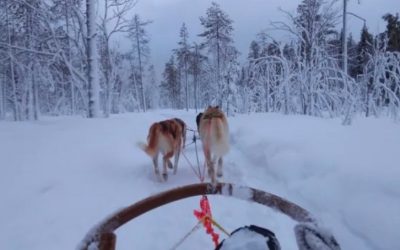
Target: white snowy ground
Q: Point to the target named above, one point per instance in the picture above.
(60, 176)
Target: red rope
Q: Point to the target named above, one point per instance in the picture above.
(205, 216)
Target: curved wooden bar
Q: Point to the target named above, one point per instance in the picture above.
(103, 235)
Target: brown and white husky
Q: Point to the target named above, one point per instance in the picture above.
(214, 133)
(165, 137)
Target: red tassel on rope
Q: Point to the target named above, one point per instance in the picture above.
(205, 215)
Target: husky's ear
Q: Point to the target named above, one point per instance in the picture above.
(198, 118)
(209, 106)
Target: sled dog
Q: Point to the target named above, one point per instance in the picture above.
(214, 133)
(165, 137)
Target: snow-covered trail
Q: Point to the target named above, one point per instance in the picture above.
(60, 176)
(346, 176)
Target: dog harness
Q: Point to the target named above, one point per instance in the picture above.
(214, 114)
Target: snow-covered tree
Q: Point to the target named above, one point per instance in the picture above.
(183, 57)
(170, 87)
(392, 31)
(382, 83)
(140, 45)
(65, 12)
(9, 66)
(112, 22)
(197, 70)
(314, 22)
(364, 50)
(151, 89)
(219, 44)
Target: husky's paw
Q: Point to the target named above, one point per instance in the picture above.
(214, 183)
(170, 166)
(165, 176)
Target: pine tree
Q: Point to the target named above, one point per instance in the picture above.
(152, 94)
(254, 51)
(140, 41)
(393, 31)
(364, 51)
(182, 55)
(219, 44)
(170, 87)
(196, 69)
(352, 56)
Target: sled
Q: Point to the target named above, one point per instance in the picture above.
(309, 235)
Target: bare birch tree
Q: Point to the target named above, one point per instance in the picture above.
(113, 21)
(92, 71)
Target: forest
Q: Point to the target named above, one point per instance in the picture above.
(60, 57)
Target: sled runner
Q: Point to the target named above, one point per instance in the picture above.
(309, 235)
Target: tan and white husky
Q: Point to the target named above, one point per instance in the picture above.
(214, 133)
(165, 137)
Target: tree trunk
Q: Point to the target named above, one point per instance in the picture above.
(108, 83)
(17, 116)
(195, 90)
(186, 87)
(118, 103)
(344, 36)
(108, 69)
(136, 91)
(228, 98)
(195, 77)
(2, 99)
(140, 66)
(35, 95)
(70, 81)
(219, 95)
(92, 71)
(266, 87)
(32, 90)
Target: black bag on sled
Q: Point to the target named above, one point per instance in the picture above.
(308, 237)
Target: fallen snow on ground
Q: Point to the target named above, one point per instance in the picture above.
(61, 176)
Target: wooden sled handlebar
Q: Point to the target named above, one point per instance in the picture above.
(103, 234)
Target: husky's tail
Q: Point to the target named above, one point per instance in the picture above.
(151, 147)
(221, 143)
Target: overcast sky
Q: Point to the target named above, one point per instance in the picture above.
(249, 16)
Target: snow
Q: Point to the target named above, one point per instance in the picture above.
(62, 176)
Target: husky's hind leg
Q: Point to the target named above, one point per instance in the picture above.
(167, 163)
(210, 167)
(156, 170)
(219, 170)
(176, 161)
